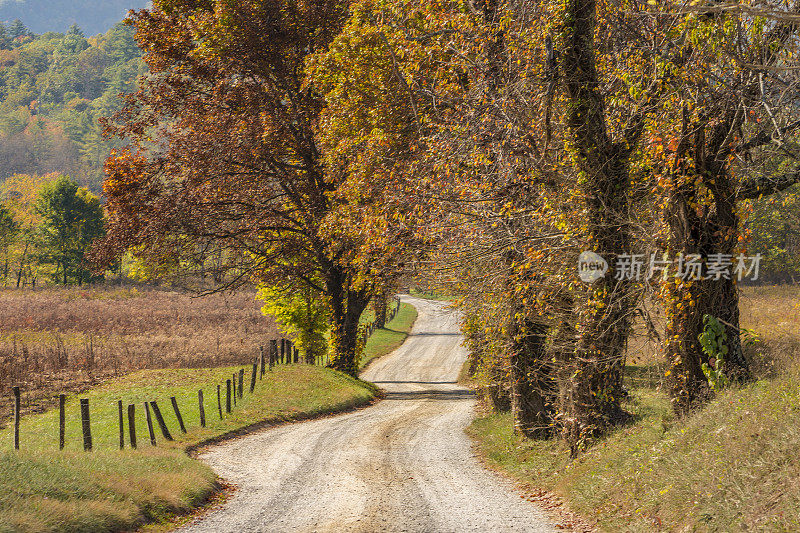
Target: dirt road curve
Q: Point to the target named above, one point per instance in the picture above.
(404, 464)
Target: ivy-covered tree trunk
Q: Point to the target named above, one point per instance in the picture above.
(702, 223)
(532, 381)
(594, 391)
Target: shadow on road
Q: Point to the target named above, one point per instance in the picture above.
(422, 382)
(431, 394)
(433, 334)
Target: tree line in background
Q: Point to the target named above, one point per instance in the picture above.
(53, 89)
(94, 16)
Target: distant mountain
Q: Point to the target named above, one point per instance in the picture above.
(92, 16)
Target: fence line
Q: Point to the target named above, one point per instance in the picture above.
(278, 351)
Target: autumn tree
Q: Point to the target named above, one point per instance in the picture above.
(302, 313)
(725, 135)
(224, 154)
(20, 193)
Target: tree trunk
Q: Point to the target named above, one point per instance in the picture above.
(704, 231)
(311, 356)
(347, 305)
(22, 265)
(532, 382)
(593, 395)
(379, 302)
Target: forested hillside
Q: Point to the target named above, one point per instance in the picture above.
(94, 16)
(53, 89)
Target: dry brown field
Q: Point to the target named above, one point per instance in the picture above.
(63, 340)
(771, 312)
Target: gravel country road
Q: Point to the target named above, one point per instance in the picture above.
(404, 464)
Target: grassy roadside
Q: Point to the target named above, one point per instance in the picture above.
(42, 489)
(388, 339)
(733, 466)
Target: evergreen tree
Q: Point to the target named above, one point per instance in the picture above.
(5, 42)
(17, 29)
(119, 43)
(75, 30)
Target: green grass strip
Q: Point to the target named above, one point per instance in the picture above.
(44, 489)
(440, 295)
(389, 338)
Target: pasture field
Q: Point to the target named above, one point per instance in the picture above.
(64, 340)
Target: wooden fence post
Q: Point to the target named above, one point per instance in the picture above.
(219, 402)
(17, 406)
(234, 389)
(273, 350)
(241, 383)
(87, 428)
(253, 378)
(283, 350)
(132, 424)
(149, 424)
(202, 408)
(228, 396)
(263, 362)
(160, 420)
(177, 413)
(62, 420)
(121, 426)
